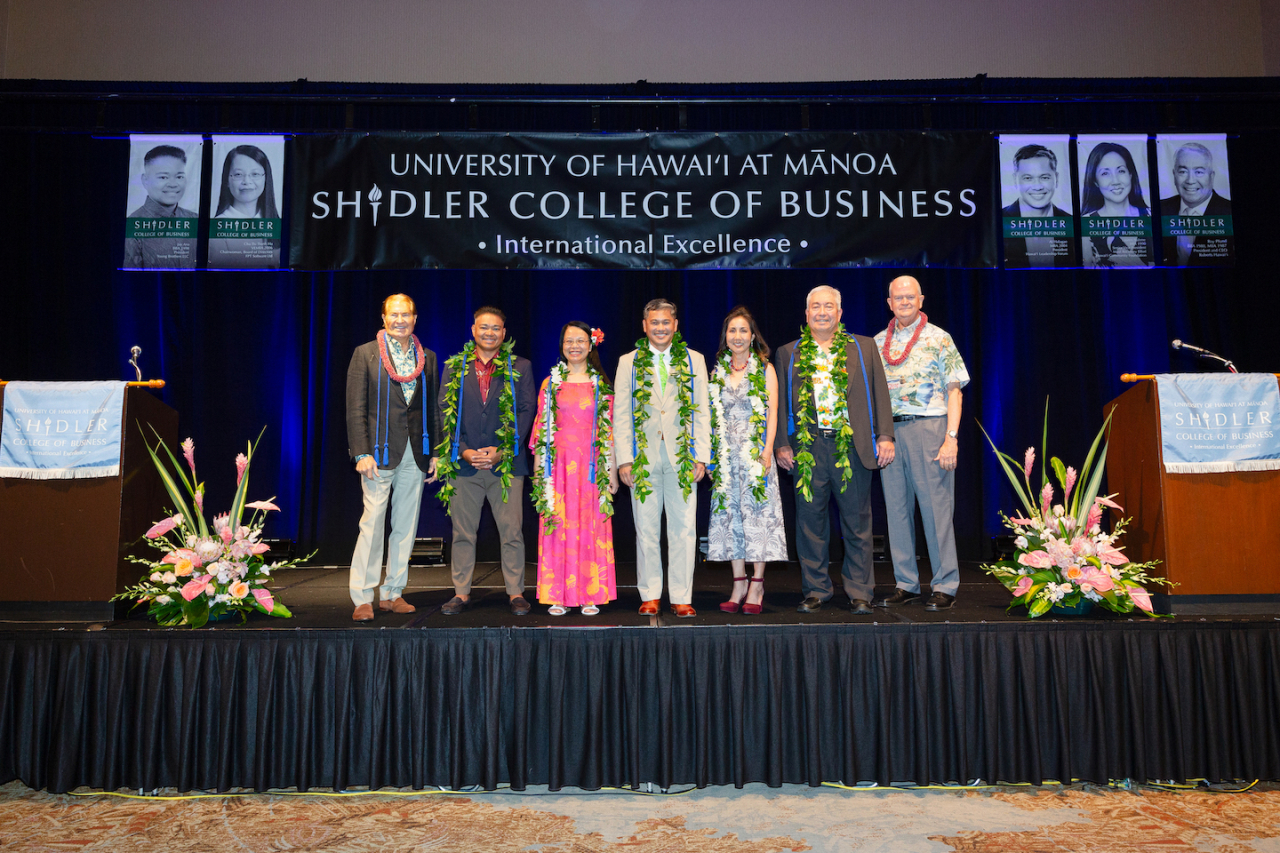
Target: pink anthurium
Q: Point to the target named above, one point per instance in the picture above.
(1024, 583)
(195, 587)
(264, 598)
(160, 528)
(263, 505)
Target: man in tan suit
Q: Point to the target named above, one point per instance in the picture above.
(661, 453)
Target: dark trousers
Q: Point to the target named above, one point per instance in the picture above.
(813, 524)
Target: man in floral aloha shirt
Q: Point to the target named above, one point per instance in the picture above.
(925, 374)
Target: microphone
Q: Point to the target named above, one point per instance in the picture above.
(135, 352)
(1203, 353)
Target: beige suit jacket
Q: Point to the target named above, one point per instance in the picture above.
(663, 423)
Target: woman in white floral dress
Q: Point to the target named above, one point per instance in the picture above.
(746, 509)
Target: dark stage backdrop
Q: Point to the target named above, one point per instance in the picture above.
(241, 350)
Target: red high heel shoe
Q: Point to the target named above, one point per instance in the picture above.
(732, 605)
(754, 609)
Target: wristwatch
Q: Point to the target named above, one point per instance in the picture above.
(952, 433)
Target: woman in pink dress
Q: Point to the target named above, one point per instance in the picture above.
(574, 478)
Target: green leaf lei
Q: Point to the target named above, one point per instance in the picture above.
(543, 488)
(806, 414)
(446, 467)
(758, 394)
(641, 395)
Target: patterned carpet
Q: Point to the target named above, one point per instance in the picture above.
(755, 819)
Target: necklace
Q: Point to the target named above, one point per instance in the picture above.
(888, 337)
(544, 489)
(390, 368)
(507, 435)
(749, 452)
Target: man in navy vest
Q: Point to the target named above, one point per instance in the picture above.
(392, 422)
(479, 418)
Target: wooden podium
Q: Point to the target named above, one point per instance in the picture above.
(64, 543)
(1216, 534)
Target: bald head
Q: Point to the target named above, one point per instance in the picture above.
(905, 300)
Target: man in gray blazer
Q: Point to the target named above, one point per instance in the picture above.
(867, 412)
(392, 423)
(665, 440)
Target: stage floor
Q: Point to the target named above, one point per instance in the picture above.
(318, 599)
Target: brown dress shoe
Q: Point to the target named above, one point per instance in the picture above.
(363, 613)
(684, 611)
(398, 605)
(649, 608)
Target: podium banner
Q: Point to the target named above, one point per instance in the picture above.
(1212, 423)
(61, 430)
(642, 200)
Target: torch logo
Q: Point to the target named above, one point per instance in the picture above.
(375, 201)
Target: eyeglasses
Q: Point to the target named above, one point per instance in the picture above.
(256, 177)
(906, 297)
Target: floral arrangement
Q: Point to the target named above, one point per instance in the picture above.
(806, 414)
(1063, 558)
(543, 487)
(206, 573)
(504, 376)
(749, 452)
(681, 373)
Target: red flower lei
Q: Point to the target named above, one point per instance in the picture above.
(888, 337)
(386, 358)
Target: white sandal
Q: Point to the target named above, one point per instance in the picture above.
(558, 610)
(590, 610)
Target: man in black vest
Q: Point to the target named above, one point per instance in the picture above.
(392, 422)
(492, 372)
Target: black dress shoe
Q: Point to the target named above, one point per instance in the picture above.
(860, 606)
(519, 606)
(810, 604)
(939, 601)
(454, 606)
(900, 596)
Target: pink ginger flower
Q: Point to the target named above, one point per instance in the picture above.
(1140, 598)
(1036, 559)
(263, 505)
(1046, 498)
(1095, 518)
(1028, 462)
(242, 464)
(1024, 583)
(196, 587)
(264, 598)
(1069, 485)
(160, 528)
(1111, 555)
(189, 453)
(200, 499)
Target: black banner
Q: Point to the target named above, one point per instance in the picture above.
(642, 201)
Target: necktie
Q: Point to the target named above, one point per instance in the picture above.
(662, 375)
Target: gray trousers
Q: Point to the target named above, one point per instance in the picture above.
(402, 488)
(465, 508)
(915, 476)
(813, 525)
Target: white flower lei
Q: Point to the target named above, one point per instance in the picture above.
(748, 452)
(544, 489)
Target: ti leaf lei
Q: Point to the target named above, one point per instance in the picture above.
(806, 414)
(446, 450)
(758, 394)
(641, 394)
(544, 490)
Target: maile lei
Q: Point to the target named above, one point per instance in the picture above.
(544, 488)
(642, 372)
(503, 378)
(749, 452)
(806, 415)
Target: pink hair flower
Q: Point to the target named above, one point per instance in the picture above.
(597, 336)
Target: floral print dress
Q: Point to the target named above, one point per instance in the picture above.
(746, 530)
